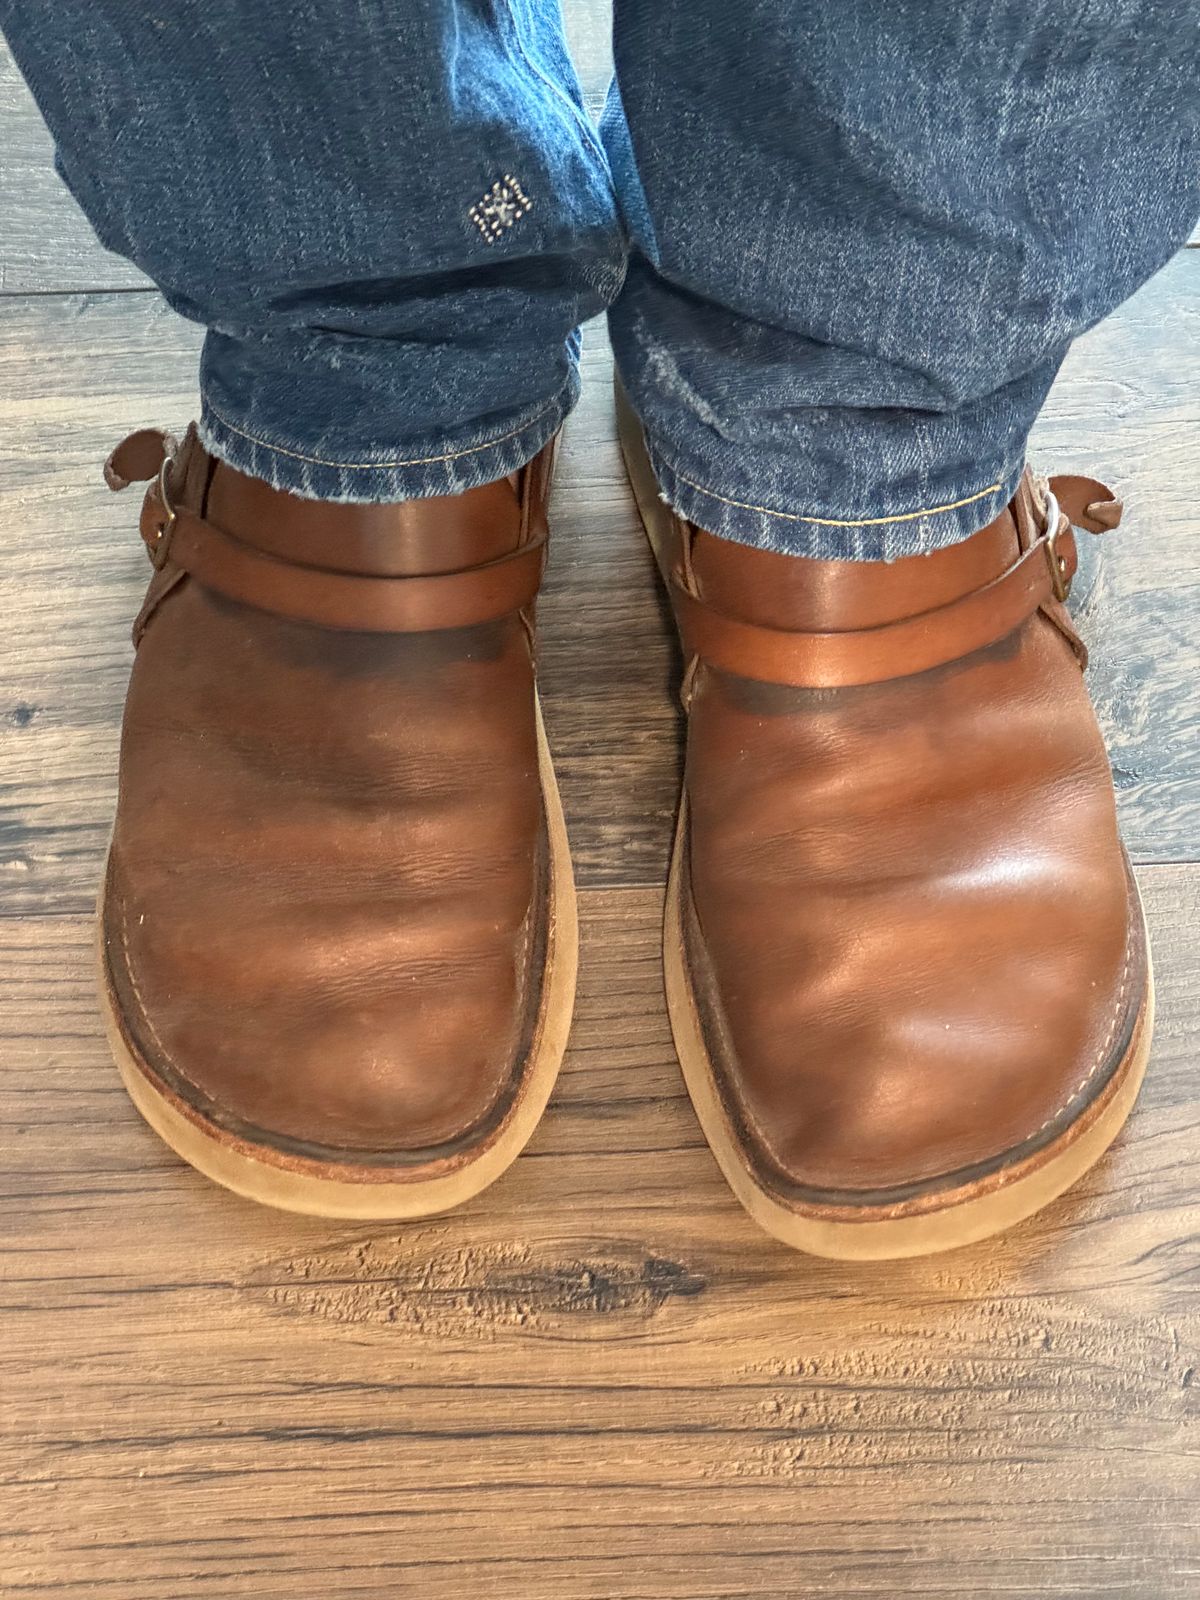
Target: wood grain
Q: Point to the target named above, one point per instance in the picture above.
(1126, 409)
(597, 1379)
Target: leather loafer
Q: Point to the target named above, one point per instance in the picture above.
(906, 962)
(338, 937)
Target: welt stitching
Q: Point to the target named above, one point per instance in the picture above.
(137, 992)
(758, 1129)
(836, 522)
(378, 466)
(741, 1101)
(1102, 1057)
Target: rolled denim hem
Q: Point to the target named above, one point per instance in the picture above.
(887, 536)
(437, 467)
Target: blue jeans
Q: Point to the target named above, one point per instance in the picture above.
(844, 244)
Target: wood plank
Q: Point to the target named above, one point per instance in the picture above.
(589, 35)
(598, 1379)
(1126, 409)
(48, 244)
(77, 371)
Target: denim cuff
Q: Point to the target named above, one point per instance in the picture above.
(811, 532)
(442, 466)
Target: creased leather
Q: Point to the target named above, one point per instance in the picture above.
(326, 904)
(912, 940)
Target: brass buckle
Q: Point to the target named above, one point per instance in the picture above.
(161, 547)
(1059, 581)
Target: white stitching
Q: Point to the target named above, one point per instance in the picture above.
(138, 996)
(835, 522)
(768, 1144)
(1104, 1048)
(379, 466)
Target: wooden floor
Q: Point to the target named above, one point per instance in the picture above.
(598, 1381)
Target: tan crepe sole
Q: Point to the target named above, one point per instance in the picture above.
(938, 1221)
(294, 1184)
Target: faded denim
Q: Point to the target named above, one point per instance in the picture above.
(860, 236)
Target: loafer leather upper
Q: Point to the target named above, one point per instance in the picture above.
(910, 924)
(326, 903)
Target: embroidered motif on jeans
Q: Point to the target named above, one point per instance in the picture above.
(504, 203)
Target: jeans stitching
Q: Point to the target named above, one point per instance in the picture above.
(835, 522)
(380, 466)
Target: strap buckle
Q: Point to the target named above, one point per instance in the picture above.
(161, 548)
(1060, 582)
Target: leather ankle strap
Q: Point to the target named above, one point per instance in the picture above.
(1038, 578)
(179, 538)
(417, 604)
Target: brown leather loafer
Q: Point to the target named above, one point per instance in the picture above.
(338, 936)
(905, 958)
